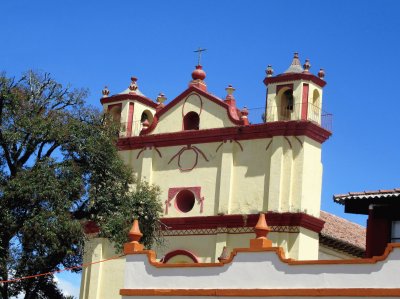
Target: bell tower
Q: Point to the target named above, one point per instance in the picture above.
(295, 94)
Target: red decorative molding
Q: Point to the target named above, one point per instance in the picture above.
(258, 131)
(184, 103)
(140, 152)
(231, 115)
(187, 253)
(238, 143)
(298, 139)
(109, 107)
(268, 145)
(148, 147)
(124, 97)
(172, 192)
(288, 141)
(158, 152)
(304, 106)
(195, 149)
(293, 77)
(279, 87)
(130, 120)
(230, 221)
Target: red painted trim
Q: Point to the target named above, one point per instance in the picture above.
(184, 103)
(293, 77)
(174, 253)
(258, 131)
(230, 221)
(124, 97)
(130, 119)
(196, 160)
(279, 87)
(172, 192)
(304, 108)
(109, 107)
(233, 118)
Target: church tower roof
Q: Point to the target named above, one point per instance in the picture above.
(295, 67)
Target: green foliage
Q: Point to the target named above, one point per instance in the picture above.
(59, 167)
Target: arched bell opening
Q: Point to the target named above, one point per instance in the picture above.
(191, 121)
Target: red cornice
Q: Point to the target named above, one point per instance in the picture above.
(231, 221)
(181, 97)
(258, 131)
(293, 77)
(124, 97)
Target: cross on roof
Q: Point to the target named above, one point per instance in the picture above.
(199, 50)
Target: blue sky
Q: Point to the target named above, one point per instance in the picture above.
(96, 43)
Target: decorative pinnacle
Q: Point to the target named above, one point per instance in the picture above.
(261, 229)
(105, 92)
(307, 66)
(269, 71)
(161, 98)
(295, 66)
(244, 112)
(321, 74)
(135, 234)
(133, 86)
(230, 90)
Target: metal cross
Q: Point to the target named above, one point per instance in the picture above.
(199, 50)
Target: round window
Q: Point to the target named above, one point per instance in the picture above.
(185, 201)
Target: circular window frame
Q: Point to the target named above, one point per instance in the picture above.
(185, 201)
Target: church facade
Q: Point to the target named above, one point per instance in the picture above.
(217, 172)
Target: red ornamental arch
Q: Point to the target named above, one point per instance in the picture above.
(177, 252)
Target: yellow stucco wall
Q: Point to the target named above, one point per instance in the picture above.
(282, 174)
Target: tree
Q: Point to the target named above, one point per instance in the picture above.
(59, 167)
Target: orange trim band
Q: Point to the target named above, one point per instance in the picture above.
(359, 292)
(151, 255)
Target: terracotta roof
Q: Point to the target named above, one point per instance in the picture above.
(341, 198)
(343, 234)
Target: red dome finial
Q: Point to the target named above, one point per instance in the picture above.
(198, 73)
(321, 74)
(307, 66)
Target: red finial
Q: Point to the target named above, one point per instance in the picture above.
(135, 234)
(269, 71)
(321, 74)
(261, 229)
(105, 92)
(198, 73)
(230, 99)
(307, 66)
(244, 112)
(133, 86)
(160, 100)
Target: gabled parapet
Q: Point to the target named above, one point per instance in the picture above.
(261, 270)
